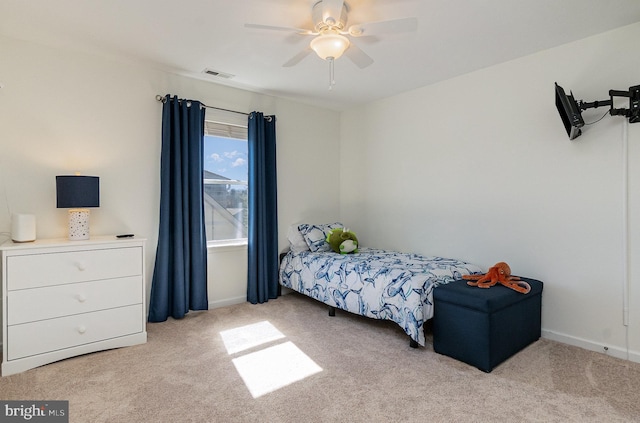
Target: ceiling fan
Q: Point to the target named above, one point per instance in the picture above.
(332, 37)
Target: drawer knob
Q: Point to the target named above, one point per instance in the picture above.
(81, 298)
(80, 266)
(82, 329)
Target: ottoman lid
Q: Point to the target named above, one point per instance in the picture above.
(483, 299)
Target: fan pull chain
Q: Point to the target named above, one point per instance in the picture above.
(332, 79)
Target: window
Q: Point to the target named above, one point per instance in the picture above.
(225, 176)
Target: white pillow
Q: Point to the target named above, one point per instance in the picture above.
(297, 243)
(316, 235)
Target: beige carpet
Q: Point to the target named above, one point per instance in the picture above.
(362, 371)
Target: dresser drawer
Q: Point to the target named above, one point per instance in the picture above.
(31, 271)
(28, 305)
(50, 335)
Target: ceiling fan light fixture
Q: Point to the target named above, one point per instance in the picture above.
(329, 45)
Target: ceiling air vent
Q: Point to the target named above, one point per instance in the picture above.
(218, 74)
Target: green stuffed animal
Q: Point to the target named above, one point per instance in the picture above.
(343, 241)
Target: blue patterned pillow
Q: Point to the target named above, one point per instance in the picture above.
(316, 235)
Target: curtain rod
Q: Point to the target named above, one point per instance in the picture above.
(163, 99)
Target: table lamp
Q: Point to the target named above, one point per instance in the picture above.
(77, 193)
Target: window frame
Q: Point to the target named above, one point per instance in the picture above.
(226, 124)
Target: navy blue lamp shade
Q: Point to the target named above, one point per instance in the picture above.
(77, 191)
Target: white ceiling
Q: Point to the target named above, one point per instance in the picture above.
(453, 37)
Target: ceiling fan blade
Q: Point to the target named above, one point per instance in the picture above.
(280, 28)
(332, 9)
(357, 56)
(394, 26)
(297, 58)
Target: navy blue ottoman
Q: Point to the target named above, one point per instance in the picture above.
(484, 327)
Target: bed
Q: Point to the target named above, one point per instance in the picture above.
(376, 283)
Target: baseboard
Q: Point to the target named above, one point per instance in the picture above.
(226, 302)
(238, 300)
(616, 352)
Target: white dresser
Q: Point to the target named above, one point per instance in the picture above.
(64, 298)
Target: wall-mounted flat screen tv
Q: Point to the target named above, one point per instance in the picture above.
(569, 113)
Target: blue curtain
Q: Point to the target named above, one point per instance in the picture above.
(180, 275)
(262, 278)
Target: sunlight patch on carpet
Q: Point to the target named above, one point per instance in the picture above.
(275, 367)
(245, 337)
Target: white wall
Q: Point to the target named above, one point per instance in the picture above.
(480, 168)
(62, 112)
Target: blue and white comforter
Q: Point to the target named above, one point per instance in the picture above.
(374, 283)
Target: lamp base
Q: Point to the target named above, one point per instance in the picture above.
(79, 224)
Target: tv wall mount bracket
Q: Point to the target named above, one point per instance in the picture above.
(632, 113)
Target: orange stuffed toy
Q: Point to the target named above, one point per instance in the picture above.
(501, 273)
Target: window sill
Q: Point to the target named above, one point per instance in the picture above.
(219, 246)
